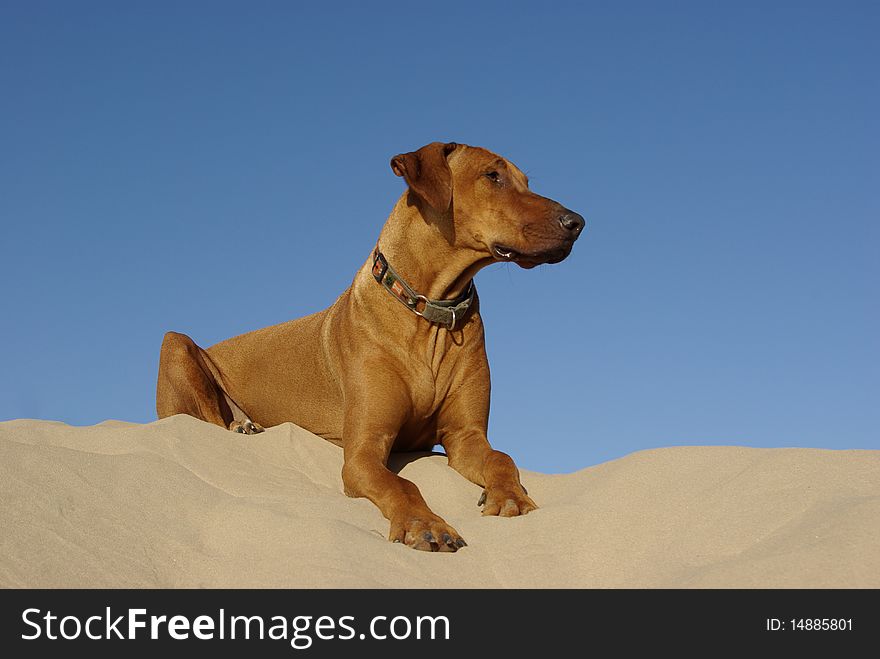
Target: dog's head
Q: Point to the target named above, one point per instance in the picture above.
(487, 200)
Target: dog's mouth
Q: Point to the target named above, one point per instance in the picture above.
(529, 259)
(504, 253)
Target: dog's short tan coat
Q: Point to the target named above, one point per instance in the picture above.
(372, 376)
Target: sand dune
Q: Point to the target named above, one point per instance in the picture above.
(181, 503)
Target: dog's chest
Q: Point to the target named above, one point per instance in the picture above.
(426, 389)
(427, 392)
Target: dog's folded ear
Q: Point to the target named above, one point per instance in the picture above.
(427, 173)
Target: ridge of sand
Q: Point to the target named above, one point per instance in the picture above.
(182, 503)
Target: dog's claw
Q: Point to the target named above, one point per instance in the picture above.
(482, 499)
(506, 502)
(425, 533)
(246, 427)
(460, 543)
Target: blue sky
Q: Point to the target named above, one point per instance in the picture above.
(218, 167)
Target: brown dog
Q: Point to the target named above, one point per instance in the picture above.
(374, 375)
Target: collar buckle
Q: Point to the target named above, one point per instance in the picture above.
(415, 307)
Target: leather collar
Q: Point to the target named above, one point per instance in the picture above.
(442, 312)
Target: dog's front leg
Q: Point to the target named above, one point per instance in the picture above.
(368, 436)
(471, 455)
(462, 424)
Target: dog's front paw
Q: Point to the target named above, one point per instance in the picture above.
(506, 501)
(426, 533)
(247, 427)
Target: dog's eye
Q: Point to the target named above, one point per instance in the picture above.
(493, 176)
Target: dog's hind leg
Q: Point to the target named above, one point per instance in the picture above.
(189, 383)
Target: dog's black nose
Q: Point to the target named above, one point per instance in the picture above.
(573, 222)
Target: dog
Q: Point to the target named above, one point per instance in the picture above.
(398, 362)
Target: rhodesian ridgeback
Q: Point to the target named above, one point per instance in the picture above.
(398, 362)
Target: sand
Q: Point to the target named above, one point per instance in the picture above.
(181, 503)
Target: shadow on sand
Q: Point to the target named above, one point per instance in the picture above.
(397, 461)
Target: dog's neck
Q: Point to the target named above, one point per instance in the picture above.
(421, 246)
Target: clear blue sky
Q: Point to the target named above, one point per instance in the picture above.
(217, 167)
